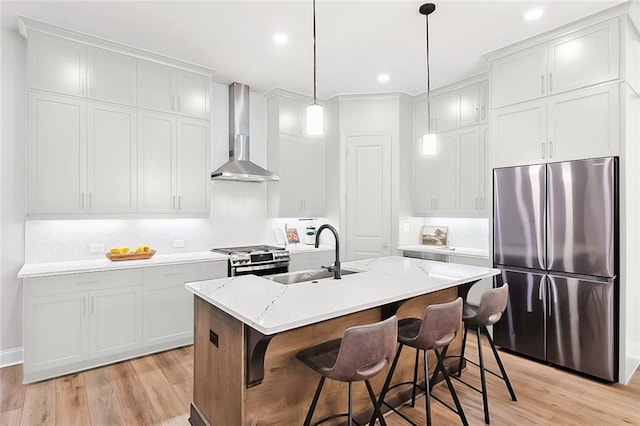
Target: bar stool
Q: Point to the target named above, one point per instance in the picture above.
(492, 304)
(362, 353)
(438, 328)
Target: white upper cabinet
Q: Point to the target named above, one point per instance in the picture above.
(111, 159)
(460, 107)
(579, 59)
(168, 89)
(173, 164)
(570, 126)
(584, 58)
(435, 177)
(56, 64)
(472, 170)
(111, 76)
(286, 115)
(56, 154)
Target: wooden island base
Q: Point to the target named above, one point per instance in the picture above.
(222, 350)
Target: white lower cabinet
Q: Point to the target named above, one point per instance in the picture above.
(81, 320)
(302, 261)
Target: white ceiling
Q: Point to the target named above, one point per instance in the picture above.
(356, 40)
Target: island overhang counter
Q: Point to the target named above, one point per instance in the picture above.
(248, 329)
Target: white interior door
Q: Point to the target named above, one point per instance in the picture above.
(368, 196)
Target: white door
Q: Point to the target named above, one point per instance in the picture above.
(470, 170)
(115, 320)
(469, 99)
(156, 86)
(519, 134)
(156, 165)
(56, 153)
(519, 77)
(192, 94)
(111, 169)
(111, 76)
(193, 172)
(584, 124)
(444, 180)
(55, 330)
(368, 196)
(444, 112)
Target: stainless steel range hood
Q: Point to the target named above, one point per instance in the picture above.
(239, 167)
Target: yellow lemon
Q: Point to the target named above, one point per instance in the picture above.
(139, 249)
(124, 250)
(115, 250)
(145, 248)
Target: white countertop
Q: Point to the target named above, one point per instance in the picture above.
(455, 251)
(32, 270)
(270, 307)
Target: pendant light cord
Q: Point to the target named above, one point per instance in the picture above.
(428, 79)
(314, 52)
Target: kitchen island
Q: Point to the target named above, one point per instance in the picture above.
(248, 330)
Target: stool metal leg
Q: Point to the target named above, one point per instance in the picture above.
(452, 390)
(464, 344)
(415, 380)
(427, 393)
(312, 408)
(350, 404)
(376, 407)
(499, 361)
(483, 379)
(387, 381)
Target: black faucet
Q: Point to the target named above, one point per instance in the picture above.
(336, 266)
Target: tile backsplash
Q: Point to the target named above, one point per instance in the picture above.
(463, 232)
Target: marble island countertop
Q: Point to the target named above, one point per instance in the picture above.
(270, 307)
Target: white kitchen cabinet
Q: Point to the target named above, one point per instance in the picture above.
(286, 115)
(459, 107)
(168, 89)
(173, 164)
(444, 112)
(314, 259)
(435, 177)
(111, 159)
(111, 76)
(56, 64)
(570, 126)
(519, 134)
(579, 59)
(471, 170)
(584, 124)
(472, 101)
(55, 331)
(300, 163)
(56, 154)
(115, 320)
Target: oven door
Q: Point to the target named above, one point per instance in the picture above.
(260, 270)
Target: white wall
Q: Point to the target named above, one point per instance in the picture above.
(12, 192)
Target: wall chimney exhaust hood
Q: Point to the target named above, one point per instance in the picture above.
(239, 167)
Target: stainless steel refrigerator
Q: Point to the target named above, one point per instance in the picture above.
(555, 237)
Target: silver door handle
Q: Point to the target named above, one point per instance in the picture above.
(542, 84)
(550, 149)
(482, 116)
(179, 103)
(93, 298)
(173, 202)
(90, 201)
(543, 152)
(179, 202)
(477, 114)
(173, 103)
(84, 305)
(550, 82)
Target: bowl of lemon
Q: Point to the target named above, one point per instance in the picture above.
(125, 253)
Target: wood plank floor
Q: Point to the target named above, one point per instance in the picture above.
(157, 390)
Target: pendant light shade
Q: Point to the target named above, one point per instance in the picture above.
(429, 140)
(315, 112)
(315, 120)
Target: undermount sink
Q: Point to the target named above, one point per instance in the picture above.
(303, 276)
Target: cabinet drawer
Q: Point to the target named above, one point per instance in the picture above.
(59, 284)
(213, 270)
(163, 276)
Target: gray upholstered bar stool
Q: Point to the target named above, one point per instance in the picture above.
(492, 304)
(361, 354)
(438, 327)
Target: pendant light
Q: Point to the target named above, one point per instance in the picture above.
(429, 145)
(315, 112)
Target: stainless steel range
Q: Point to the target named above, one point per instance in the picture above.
(256, 260)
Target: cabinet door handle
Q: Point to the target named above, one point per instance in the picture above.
(550, 82)
(90, 201)
(179, 103)
(93, 302)
(179, 202)
(173, 202)
(84, 305)
(543, 152)
(542, 84)
(550, 149)
(173, 103)
(477, 114)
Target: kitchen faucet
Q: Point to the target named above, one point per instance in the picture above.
(336, 266)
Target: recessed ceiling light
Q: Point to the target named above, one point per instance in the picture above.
(280, 38)
(533, 14)
(383, 78)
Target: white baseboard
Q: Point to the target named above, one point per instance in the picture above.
(11, 357)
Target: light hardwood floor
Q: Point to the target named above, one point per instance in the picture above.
(157, 389)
